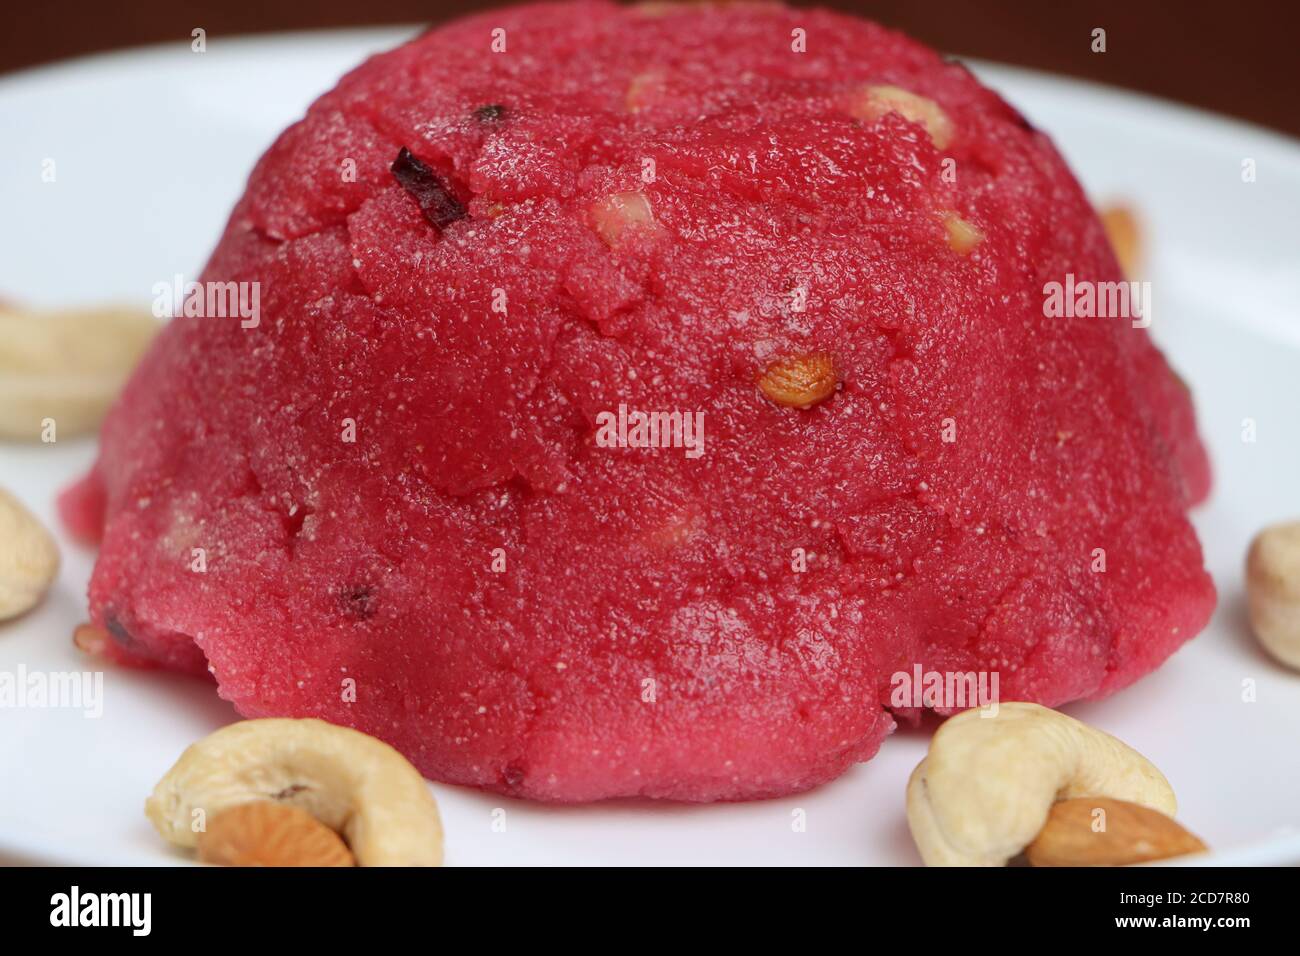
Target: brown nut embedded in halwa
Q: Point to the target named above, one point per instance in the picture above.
(263, 833)
(800, 381)
(1099, 831)
(873, 102)
(986, 788)
(352, 783)
(1273, 590)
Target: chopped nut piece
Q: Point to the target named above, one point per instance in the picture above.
(644, 89)
(1125, 237)
(90, 639)
(263, 833)
(962, 235)
(872, 102)
(800, 381)
(615, 214)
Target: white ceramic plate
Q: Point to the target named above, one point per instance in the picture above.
(151, 149)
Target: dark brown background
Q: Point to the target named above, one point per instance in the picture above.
(1236, 58)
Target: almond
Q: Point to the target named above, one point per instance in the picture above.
(263, 833)
(1099, 831)
(90, 639)
(800, 381)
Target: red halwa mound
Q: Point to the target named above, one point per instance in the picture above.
(393, 503)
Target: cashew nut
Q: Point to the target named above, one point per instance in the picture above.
(1273, 590)
(354, 784)
(66, 366)
(985, 788)
(29, 558)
